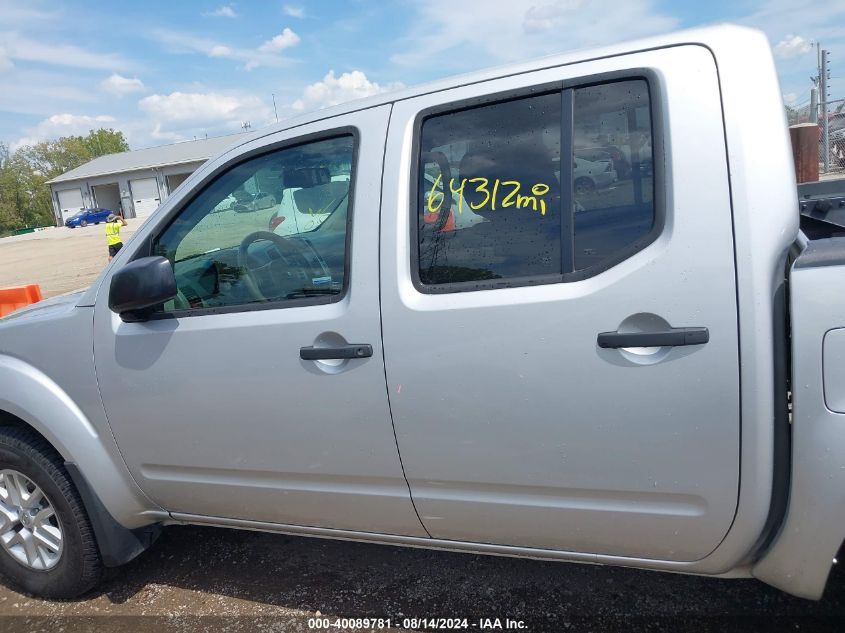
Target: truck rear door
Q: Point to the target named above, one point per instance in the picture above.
(559, 308)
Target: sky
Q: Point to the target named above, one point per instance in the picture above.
(165, 71)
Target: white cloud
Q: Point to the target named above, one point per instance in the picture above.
(280, 42)
(791, 46)
(40, 50)
(6, 62)
(200, 108)
(789, 98)
(39, 93)
(333, 90)
(225, 11)
(293, 11)
(268, 54)
(119, 85)
(158, 134)
(63, 125)
(220, 51)
(484, 32)
(817, 21)
(546, 17)
(15, 12)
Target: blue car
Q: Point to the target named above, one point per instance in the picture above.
(87, 216)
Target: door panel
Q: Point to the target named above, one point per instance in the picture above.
(514, 426)
(216, 414)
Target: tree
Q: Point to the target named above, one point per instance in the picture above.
(9, 192)
(101, 142)
(25, 198)
(53, 158)
(792, 115)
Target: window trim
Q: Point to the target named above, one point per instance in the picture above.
(563, 87)
(146, 249)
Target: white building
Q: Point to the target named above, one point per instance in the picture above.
(134, 182)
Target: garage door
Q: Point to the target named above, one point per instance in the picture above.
(174, 181)
(145, 196)
(70, 202)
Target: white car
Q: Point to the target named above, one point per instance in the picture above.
(592, 175)
(303, 209)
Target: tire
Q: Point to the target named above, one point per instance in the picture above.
(83, 224)
(584, 185)
(78, 566)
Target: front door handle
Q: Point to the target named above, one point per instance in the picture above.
(674, 337)
(353, 350)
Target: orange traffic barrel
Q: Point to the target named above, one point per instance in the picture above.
(431, 218)
(13, 298)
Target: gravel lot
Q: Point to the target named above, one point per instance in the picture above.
(58, 259)
(212, 579)
(63, 260)
(224, 580)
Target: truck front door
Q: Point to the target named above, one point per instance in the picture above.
(240, 398)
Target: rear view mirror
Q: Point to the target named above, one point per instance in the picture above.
(141, 284)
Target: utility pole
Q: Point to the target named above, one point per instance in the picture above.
(814, 105)
(824, 75)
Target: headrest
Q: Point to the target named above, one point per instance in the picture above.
(307, 177)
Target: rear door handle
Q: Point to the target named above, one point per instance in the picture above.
(353, 350)
(674, 337)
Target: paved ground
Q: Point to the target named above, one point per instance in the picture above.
(62, 260)
(209, 579)
(58, 259)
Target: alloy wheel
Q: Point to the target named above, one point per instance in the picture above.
(30, 530)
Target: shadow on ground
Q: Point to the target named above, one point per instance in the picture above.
(341, 579)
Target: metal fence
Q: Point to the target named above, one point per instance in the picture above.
(832, 139)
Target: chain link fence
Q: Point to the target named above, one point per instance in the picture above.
(832, 148)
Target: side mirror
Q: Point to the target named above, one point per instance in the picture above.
(141, 284)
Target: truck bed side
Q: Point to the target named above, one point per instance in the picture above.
(799, 559)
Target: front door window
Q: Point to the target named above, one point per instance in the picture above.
(270, 230)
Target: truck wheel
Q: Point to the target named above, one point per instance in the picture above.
(47, 546)
(83, 224)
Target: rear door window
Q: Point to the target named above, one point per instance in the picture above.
(537, 189)
(613, 171)
(490, 193)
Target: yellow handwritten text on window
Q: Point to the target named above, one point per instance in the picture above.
(493, 194)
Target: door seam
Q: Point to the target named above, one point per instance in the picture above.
(381, 324)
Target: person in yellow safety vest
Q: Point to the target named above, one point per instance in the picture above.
(113, 224)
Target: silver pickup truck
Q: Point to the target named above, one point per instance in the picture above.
(563, 310)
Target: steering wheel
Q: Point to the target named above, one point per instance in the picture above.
(284, 245)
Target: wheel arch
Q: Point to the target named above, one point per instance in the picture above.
(117, 544)
(31, 399)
